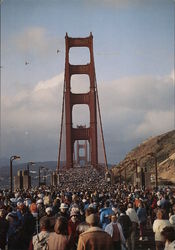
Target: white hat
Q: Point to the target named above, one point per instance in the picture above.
(40, 195)
(19, 203)
(64, 205)
(48, 210)
(40, 201)
(13, 200)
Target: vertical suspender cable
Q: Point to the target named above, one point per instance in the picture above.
(101, 128)
(61, 131)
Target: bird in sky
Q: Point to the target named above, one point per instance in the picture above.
(58, 51)
(26, 63)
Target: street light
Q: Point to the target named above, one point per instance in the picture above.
(12, 158)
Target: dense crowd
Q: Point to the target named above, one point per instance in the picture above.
(92, 217)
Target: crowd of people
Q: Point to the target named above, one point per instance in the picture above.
(94, 216)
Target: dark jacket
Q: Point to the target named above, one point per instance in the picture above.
(126, 224)
(3, 232)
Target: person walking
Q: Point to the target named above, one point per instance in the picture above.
(114, 229)
(125, 223)
(40, 240)
(60, 238)
(142, 215)
(135, 221)
(169, 235)
(159, 224)
(94, 238)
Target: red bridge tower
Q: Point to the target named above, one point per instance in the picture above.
(70, 99)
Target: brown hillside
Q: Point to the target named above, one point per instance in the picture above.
(163, 146)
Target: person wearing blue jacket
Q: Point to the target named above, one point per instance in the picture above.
(105, 214)
(142, 215)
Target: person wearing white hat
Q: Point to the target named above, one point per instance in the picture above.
(40, 201)
(48, 211)
(72, 224)
(51, 218)
(63, 211)
(40, 207)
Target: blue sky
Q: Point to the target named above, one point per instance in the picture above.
(133, 50)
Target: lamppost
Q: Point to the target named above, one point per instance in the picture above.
(156, 172)
(12, 158)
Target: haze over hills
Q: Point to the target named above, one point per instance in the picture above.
(163, 147)
(5, 170)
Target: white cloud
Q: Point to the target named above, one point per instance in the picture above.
(155, 123)
(36, 41)
(48, 84)
(133, 108)
(138, 106)
(35, 106)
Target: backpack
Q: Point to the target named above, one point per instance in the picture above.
(41, 244)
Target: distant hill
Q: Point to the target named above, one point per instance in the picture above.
(163, 146)
(5, 171)
(22, 166)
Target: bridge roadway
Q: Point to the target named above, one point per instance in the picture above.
(146, 244)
